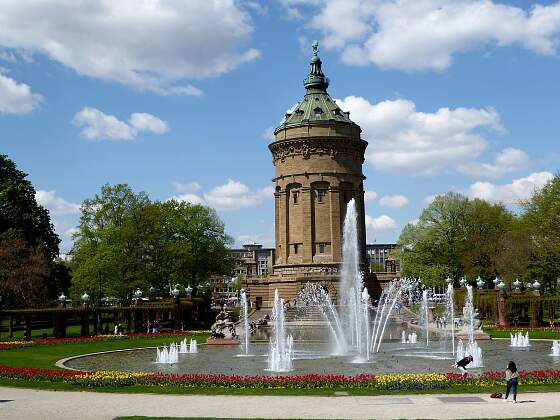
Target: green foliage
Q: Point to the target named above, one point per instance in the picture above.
(127, 241)
(454, 236)
(20, 213)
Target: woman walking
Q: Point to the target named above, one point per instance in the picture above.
(511, 380)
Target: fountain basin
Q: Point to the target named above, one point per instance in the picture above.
(223, 342)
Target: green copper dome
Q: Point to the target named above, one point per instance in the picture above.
(317, 107)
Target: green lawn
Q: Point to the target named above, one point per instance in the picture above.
(45, 356)
(536, 334)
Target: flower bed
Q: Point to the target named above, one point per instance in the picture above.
(5, 345)
(391, 382)
(524, 328)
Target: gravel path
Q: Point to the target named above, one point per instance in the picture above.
(17, 403)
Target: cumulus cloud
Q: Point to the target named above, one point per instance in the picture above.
(150, 45)
(396, 201)
(369, 196)
(235, 195)
(403, 139)
(382, 223)
(507, 161)
(190, 187)
(515, 192)
(56, 204)
(189, 198)
(426, 34)
(97, 125)
(16, 98)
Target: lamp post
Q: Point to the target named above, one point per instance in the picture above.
(517, 285)
(480, 283)
(188, 290)
(463, 282)
(85, 299)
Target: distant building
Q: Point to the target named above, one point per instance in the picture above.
(253, 260)
(379, 256)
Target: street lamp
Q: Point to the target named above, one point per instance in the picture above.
(480, 283)
(188, 290)
(496, 281)
(463, 282)
(501, 285)
(85, 298)
(137, 294)
(517, 285)
(536, 285)
(449, 280)
(175, 292)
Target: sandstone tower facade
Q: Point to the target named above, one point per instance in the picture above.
(318, 155)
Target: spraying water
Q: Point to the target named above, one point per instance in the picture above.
(520, 340)
(245, 317)
(450, 313)
(556, 348)
(424, 316)
(167, 355)
(280, 354)
(470, 323)
(354, 301)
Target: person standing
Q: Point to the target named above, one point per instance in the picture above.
(512, 377)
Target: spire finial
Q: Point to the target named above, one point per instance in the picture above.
(315, 47)
(316, 79)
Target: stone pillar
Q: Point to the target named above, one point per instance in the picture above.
(85, 315)
(501, 305)
(336, 224)
(307, 224)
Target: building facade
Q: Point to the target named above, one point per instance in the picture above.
(253, 260)
(378, 256)
(317, 155)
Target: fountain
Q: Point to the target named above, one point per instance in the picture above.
(353, 294)
(411, 338)
(450, 313)
(185, 347)
(424, 316)
(280, 354)
(167, 355)
(387, 302)
(313, 295)
(245, 317)
(193, 347)
(520, 340)
(470, 325)
(556, 348)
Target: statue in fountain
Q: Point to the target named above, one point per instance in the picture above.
(223, 330)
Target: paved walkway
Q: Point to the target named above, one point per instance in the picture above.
(26, 404)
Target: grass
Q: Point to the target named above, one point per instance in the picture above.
(45, 356)
(533, 334)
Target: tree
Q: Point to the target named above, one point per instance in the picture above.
(23, 272)
(454, 236)
(542, 221)
(20, 213)
(127, 241)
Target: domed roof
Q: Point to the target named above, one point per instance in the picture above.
(317, 107)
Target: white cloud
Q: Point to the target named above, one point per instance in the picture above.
(403, 139)
(268, 134)
(507, 161)
(97, 125)
(16, 98)
(382, 223)
(190, 187)
(426, 34)
(396, 201)
(515, 192)
(235, 195)
(369, 196)
(56, 204)
(189, 198)
(150, 45)
(147, 122)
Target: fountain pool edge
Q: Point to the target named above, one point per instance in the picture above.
(62, 362)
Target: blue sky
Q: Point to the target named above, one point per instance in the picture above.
(177, 98)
